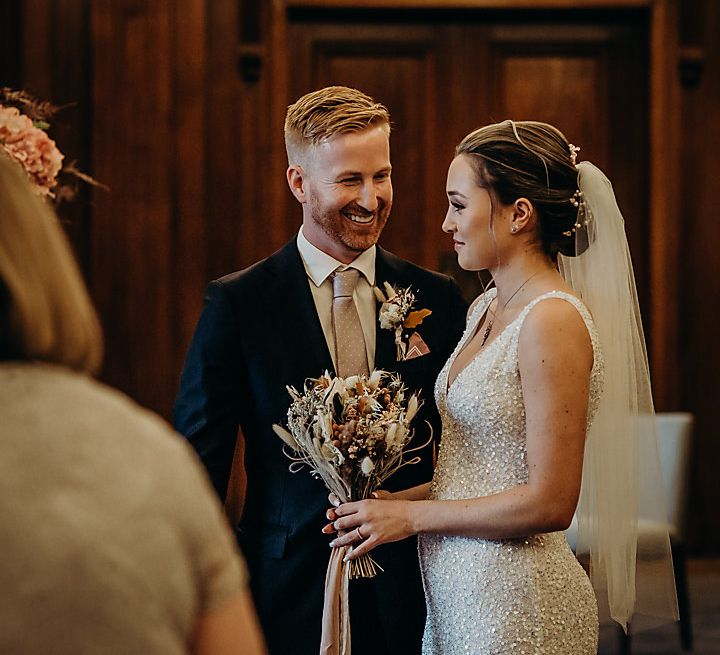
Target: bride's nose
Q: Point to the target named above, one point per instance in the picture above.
(448, 225)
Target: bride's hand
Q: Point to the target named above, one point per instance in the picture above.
(369, 523)
(330, 514)
(380, 494)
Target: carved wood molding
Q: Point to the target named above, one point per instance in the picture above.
(468, 4)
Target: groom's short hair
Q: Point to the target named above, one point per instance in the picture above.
(321, 114)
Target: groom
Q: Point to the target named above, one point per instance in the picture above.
(308, 308)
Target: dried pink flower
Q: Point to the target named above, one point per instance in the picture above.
(32, 148)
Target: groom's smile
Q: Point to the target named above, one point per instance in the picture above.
(359, 218)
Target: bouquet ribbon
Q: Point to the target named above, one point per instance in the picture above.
(336, 607)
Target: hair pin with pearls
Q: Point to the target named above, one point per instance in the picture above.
(578, 201)
(574, 150)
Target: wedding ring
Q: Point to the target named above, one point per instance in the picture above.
(359, 533)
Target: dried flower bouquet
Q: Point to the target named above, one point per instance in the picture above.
(353, 434)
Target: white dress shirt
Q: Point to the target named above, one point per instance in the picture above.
(319, 267)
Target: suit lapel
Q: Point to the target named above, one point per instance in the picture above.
(386, 270)
(299, 325)
(300, 328)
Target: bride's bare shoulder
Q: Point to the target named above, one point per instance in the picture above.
(555, 327)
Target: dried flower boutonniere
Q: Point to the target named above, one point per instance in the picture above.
(396, 313)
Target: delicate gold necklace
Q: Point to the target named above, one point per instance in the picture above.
(491, 322)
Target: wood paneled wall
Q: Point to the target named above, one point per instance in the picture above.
(178, 109)
(699, 246)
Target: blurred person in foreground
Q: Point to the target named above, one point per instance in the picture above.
(111, 536)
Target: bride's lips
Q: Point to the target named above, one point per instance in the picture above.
(457, 243)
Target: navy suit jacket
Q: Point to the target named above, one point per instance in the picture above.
(259, 331)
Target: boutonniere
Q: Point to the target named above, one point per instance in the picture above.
(397, 314)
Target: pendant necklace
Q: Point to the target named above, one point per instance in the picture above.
(491, 322)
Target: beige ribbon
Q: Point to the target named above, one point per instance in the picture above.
(336, 607)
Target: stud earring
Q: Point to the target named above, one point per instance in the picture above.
(513, 229)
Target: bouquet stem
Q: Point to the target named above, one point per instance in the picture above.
(364, 567)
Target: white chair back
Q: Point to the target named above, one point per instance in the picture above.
(674, 433)
(674, 430)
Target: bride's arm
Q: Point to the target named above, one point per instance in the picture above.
(555, 359)
(420, 492)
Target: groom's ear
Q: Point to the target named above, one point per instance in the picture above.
(296, 182)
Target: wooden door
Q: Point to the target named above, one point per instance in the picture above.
(443, 73)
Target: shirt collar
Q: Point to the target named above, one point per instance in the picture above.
(319, 265)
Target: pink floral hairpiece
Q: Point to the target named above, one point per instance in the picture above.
(23, 137)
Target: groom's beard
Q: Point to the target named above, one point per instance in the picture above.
(341, 229)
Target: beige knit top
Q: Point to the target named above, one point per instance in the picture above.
(111, 539)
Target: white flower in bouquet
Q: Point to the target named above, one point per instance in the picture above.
(367, 466)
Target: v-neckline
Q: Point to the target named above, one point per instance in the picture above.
(449, 385)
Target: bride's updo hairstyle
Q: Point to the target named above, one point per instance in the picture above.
(528, 159)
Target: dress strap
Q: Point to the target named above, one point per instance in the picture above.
(579, 306)
(573, 300)
(480, 306)
(477, 311)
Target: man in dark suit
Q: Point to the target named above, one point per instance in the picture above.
(275, 324)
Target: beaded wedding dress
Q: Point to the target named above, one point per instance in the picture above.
(511, 596)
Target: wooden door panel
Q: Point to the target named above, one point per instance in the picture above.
(542, 88)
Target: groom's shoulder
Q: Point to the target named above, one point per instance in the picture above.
(259, 274)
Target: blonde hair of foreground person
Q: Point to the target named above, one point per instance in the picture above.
(46, 315)
(46, 311)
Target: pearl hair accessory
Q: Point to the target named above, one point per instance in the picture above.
(574, 150)
(578, 201)
(577, 198)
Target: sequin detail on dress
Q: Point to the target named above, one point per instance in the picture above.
(526, 596)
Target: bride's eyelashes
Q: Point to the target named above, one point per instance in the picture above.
(457, 206)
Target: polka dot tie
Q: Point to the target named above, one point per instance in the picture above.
(350, 353)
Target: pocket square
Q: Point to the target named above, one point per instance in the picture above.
(416, 347)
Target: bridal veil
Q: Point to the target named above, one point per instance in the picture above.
(621, 513)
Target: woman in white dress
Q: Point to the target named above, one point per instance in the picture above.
(517, 398)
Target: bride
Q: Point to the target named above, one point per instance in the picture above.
(525, 418)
